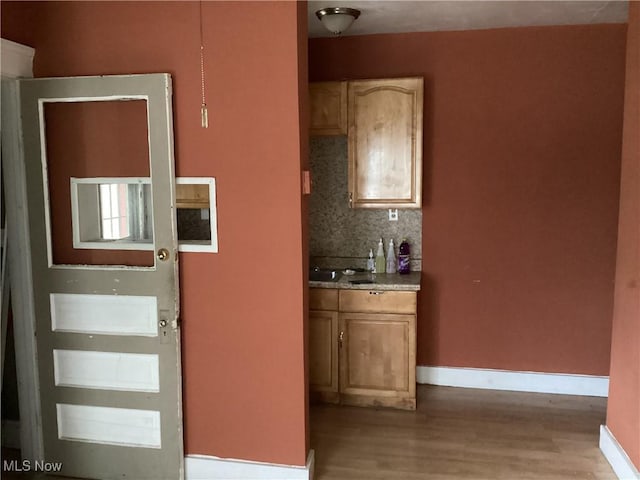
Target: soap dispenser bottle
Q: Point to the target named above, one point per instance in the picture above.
(371, 263)
(403, 257)
(391, 258)
(380, 260)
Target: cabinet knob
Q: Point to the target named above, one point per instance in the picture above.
(341, 338)
(376, 293)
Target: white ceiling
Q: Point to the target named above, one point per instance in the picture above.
(394, 16)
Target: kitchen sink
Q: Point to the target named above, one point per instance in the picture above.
(362, 281)
(324, 275)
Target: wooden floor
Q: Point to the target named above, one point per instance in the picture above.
(458, 434)
(463, 434)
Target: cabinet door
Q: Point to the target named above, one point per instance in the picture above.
(328, 105)
(323, 299)
(377, 359)
(323, 355)
(378, 301)
(192, 195)
(385, 143)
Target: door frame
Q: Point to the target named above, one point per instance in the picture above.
(17, 62)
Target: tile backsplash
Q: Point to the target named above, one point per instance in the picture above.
(191, 225)
(340, 236)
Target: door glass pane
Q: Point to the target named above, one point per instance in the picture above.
(111, 213)
(105, 145)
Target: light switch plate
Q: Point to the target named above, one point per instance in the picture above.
(306, 182)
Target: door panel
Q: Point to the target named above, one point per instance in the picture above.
(98, 312)
(376, 354)
(323, 351)
(106, 315)
(114, 426)
(106, 370)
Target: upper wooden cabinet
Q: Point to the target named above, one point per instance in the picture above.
(192, 195)
(328, 105)
(385, 143)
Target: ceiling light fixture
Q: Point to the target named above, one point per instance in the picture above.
(337, 19)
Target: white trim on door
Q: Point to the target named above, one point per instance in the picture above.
(616, 456)
(17, 61)
(203, 467)
(537, 382)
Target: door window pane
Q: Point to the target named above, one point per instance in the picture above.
(114, 211)
(101, 140)
(111, 213)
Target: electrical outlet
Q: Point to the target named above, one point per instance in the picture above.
(393, 214)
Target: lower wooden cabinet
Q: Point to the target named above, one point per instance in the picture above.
(362, 347)
(323, 355)
(323, 345)
(377, 360)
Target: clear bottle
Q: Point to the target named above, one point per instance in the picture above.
(391, 258)
(371, 263)
(380, 260)
(404, 257)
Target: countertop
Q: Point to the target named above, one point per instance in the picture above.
(377, 281)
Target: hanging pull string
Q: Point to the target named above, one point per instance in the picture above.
(203, 108)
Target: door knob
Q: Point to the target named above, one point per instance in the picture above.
(163, 254)
(162, 323)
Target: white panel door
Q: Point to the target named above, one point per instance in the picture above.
(107, 331)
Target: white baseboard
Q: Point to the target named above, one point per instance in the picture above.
(567, 384)
(203, 467)
(11, 433)
(616, 456)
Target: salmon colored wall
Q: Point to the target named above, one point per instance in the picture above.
(521, 174)
(303, 105)
(623, 408)
(243, 308)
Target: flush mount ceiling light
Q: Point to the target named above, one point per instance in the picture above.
(337, 19)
